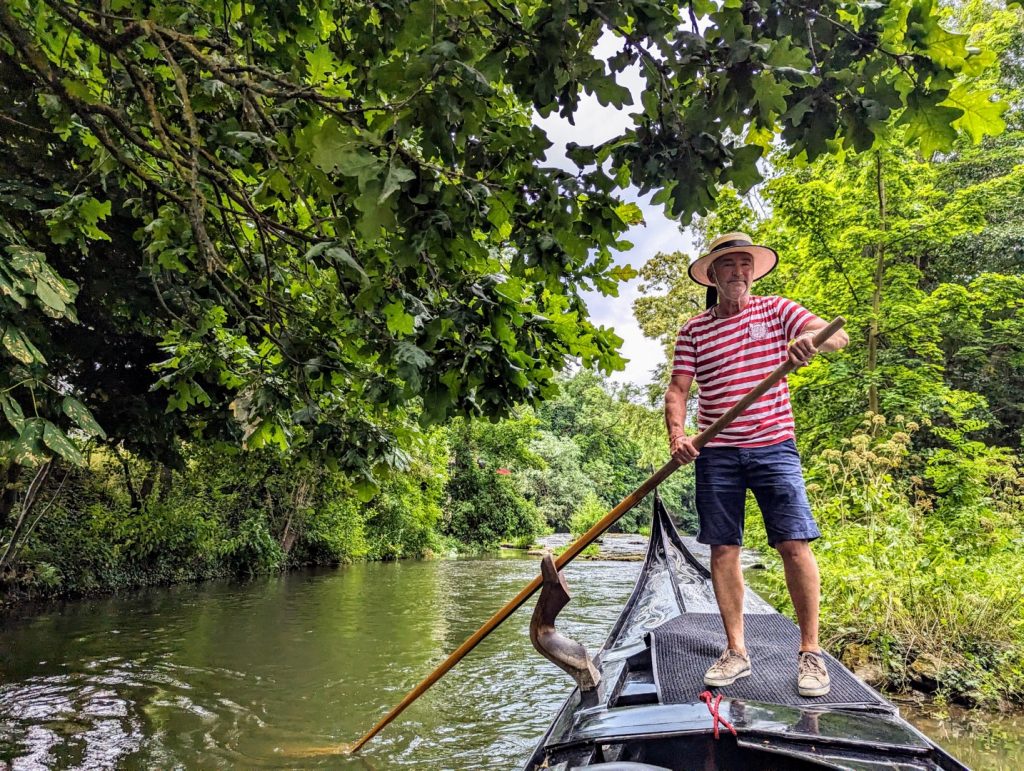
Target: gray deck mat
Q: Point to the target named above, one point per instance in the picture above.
(685, 647)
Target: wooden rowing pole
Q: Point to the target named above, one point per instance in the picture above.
(590, 536)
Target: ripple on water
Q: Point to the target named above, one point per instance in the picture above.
(105, 715)
(57, 724)
(36, 743)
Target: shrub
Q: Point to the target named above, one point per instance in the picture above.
(587, 514)
(911, 570)
(487, 509)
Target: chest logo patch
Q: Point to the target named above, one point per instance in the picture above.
(758, 330)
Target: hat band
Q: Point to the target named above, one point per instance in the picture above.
(729, 245)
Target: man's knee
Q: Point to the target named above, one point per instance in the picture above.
(723, 554)
(794, 550)
(725, 549)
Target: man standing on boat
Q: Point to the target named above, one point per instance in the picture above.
(728, 349)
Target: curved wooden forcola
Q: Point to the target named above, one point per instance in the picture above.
(549, 642)
(589, 537)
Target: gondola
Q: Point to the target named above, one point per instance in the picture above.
(640, 702)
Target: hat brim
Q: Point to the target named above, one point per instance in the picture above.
(765, 260)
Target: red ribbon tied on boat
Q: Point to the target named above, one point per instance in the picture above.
(715, 717)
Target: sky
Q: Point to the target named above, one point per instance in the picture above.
(595, 124)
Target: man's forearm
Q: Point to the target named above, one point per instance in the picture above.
(675, 413)
(838, 341)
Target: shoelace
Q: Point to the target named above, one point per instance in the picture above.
(725, 658)
(715, 717)
(811, 664)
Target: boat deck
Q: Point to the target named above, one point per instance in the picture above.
(684, 647)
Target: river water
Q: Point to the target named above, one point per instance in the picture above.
(278, 672)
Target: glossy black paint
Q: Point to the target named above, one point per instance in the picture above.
(627, 724)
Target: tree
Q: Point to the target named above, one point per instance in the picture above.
(666, 302)
(619, 442)
(486, 505)
(340, 208)
(884, 240)
(557, 487)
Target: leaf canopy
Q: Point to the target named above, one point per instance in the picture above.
(341, 213)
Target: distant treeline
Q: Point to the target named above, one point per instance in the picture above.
(120, 521)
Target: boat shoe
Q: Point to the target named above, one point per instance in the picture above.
(811, 676)
(729, 668)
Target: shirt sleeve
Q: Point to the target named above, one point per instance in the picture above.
(684, 362)
(794, 317)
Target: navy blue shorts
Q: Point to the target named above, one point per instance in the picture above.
(773, 473)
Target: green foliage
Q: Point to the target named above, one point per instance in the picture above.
(485, 505)
(404, 519)
(593, 442)
(557, 486)
(334, 219)
(590, 510)
(488, 511)
(125, 520)
(943, 323)
(251, 514)
(666, 302)
(38, 413)
(621, 442)
(979, 490)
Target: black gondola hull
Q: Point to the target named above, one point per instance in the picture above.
(640, 720)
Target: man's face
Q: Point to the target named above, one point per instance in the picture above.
(733, 275)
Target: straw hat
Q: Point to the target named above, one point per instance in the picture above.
(765, 259)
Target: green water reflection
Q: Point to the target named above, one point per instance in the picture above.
(254, 674)
(262, 674)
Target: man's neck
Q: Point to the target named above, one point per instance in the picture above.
(727, 308)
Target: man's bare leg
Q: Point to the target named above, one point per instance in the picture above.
(727, 579)
(803, 583)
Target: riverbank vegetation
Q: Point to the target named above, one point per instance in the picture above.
(119, 521)
(284, 286)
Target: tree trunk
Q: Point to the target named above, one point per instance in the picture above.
(132, 493)
(31, 495)
(9, 475)
(299, 497)
(166, 479)
(876, 297)
(149, 482)
(41, 514)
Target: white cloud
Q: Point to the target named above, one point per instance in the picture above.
(594, 124)
(658, 234)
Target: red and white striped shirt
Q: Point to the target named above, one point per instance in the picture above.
(727, 357)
